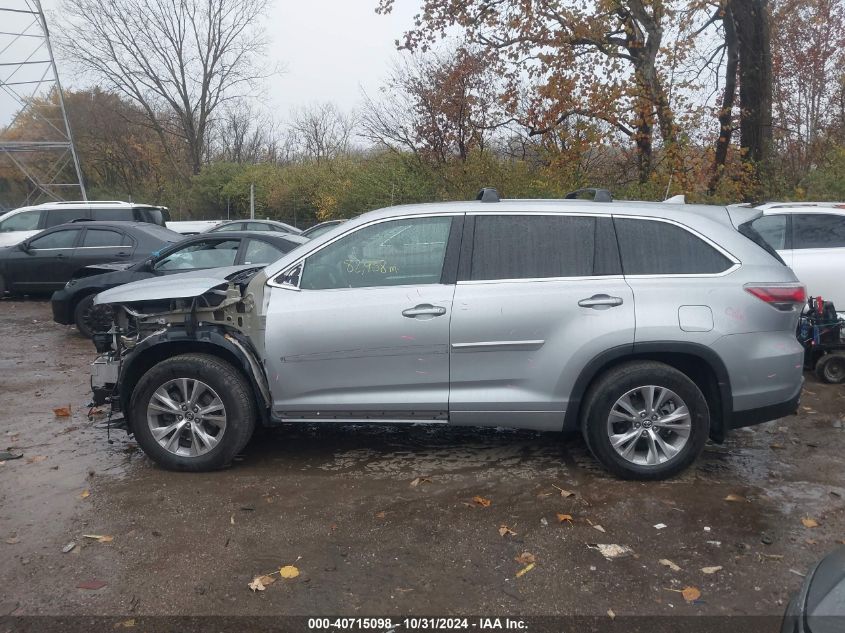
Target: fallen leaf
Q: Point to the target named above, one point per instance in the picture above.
(381, 515)
(99, 537)
(659, 526)
(668, 563)
(811, 541)
(12, 540)
(35, 459)
(85, 494)
(596, 526)
(481, 501)
(62, 412)
(257, 584)
(232, 519)
(733, 497)
(809, 523)
(564, 517)
(525, 558)
(91, 584)
(67, 548)
(565, 493)
(611, 614)
(711, 570)
(525, 570)
(288, 571)
(126, 624)
(504, 530)
(420, 480)
(611, 550)
(691, 594)
(777, 447)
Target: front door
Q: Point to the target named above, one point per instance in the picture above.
(360, 330)
(48, 263)
(538, 297)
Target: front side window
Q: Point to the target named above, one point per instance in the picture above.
(258, 252)
(206, 254)
(818, 230)
(541, 246)
(100, 238)
(651, 247)
(772, 228)
(26, 221)
(393, 253)
(56, 239)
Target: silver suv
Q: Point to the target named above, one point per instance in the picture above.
(649, 327)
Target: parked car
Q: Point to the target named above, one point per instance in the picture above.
(21, 224)
(819, 607)
(810, 237)
(192, 227)
(44, 263)
(322, 227)
(73, 304)
(255, 225)
(648, 326)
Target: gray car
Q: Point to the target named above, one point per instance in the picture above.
(649, 327)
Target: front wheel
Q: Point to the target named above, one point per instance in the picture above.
(192, 412)
(645, 420)
(90, 318)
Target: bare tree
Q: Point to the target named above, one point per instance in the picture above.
(321, 131)
(180, 60)
(244, 135)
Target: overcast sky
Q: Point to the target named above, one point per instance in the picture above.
(330, 49)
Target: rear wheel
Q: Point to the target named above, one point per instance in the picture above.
(192, 412)
(645, 420)
(90, 318)
(831, 368)
(2, 286)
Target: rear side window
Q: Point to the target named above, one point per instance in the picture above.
(97, 238)
(650, 247)
(112, 215)
(60, 216)
(818, 230)
(153, 215)
(749, 230)
(542, 246)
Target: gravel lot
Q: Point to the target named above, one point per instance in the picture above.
(341, 505)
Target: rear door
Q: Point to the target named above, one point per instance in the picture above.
(818, 255)
(104, 245)
(539, 295)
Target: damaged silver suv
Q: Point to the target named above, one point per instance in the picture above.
(649, 327)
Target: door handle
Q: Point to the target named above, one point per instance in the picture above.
(600, 302)
(122, 254)
(424, 309)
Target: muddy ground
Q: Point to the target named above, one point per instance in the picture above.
(340, 504)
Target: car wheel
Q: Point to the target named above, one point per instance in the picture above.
(2, 286)
(91, 318)
(831, 368)
(192, 412)
(645, 420)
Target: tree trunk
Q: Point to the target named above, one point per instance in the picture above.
(728, 100)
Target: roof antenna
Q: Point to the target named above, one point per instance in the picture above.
(488, 194)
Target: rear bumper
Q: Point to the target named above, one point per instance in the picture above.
(749, 417)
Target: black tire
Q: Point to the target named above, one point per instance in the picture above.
(229, 384)
(831, 368)
(89, 318)
(615, 383)
(2, 286)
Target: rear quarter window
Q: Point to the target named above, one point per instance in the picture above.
(653, 247)
(818, 230)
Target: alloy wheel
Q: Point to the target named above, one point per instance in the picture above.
(186, 417)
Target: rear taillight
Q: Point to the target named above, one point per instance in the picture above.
(781, 296)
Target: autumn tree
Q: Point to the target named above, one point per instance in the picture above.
(178, 60)
(321, 131)
(604, 60)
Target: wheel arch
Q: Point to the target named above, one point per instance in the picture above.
(698, 362)
(225, 345)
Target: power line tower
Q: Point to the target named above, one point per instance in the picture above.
(38, 160)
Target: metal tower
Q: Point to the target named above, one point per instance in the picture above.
(38, 160)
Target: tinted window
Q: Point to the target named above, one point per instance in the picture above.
(26, 221)
(207, 254)
(60, 216)
(57, 239)
(233, 226)
(772, 228)
(658, 248)
(119, 215)
(258, 226)
(818, 230)
(533, 246)
(258, 252)
(152, 215)
(102, 237)
(390, 253)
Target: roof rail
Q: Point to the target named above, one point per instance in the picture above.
(599, 195)
(58, 202)
(488, 194)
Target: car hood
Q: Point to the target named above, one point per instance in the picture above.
(179, 286)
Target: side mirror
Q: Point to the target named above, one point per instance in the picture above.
(25, 247)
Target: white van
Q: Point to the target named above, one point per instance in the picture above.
(810, 237)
